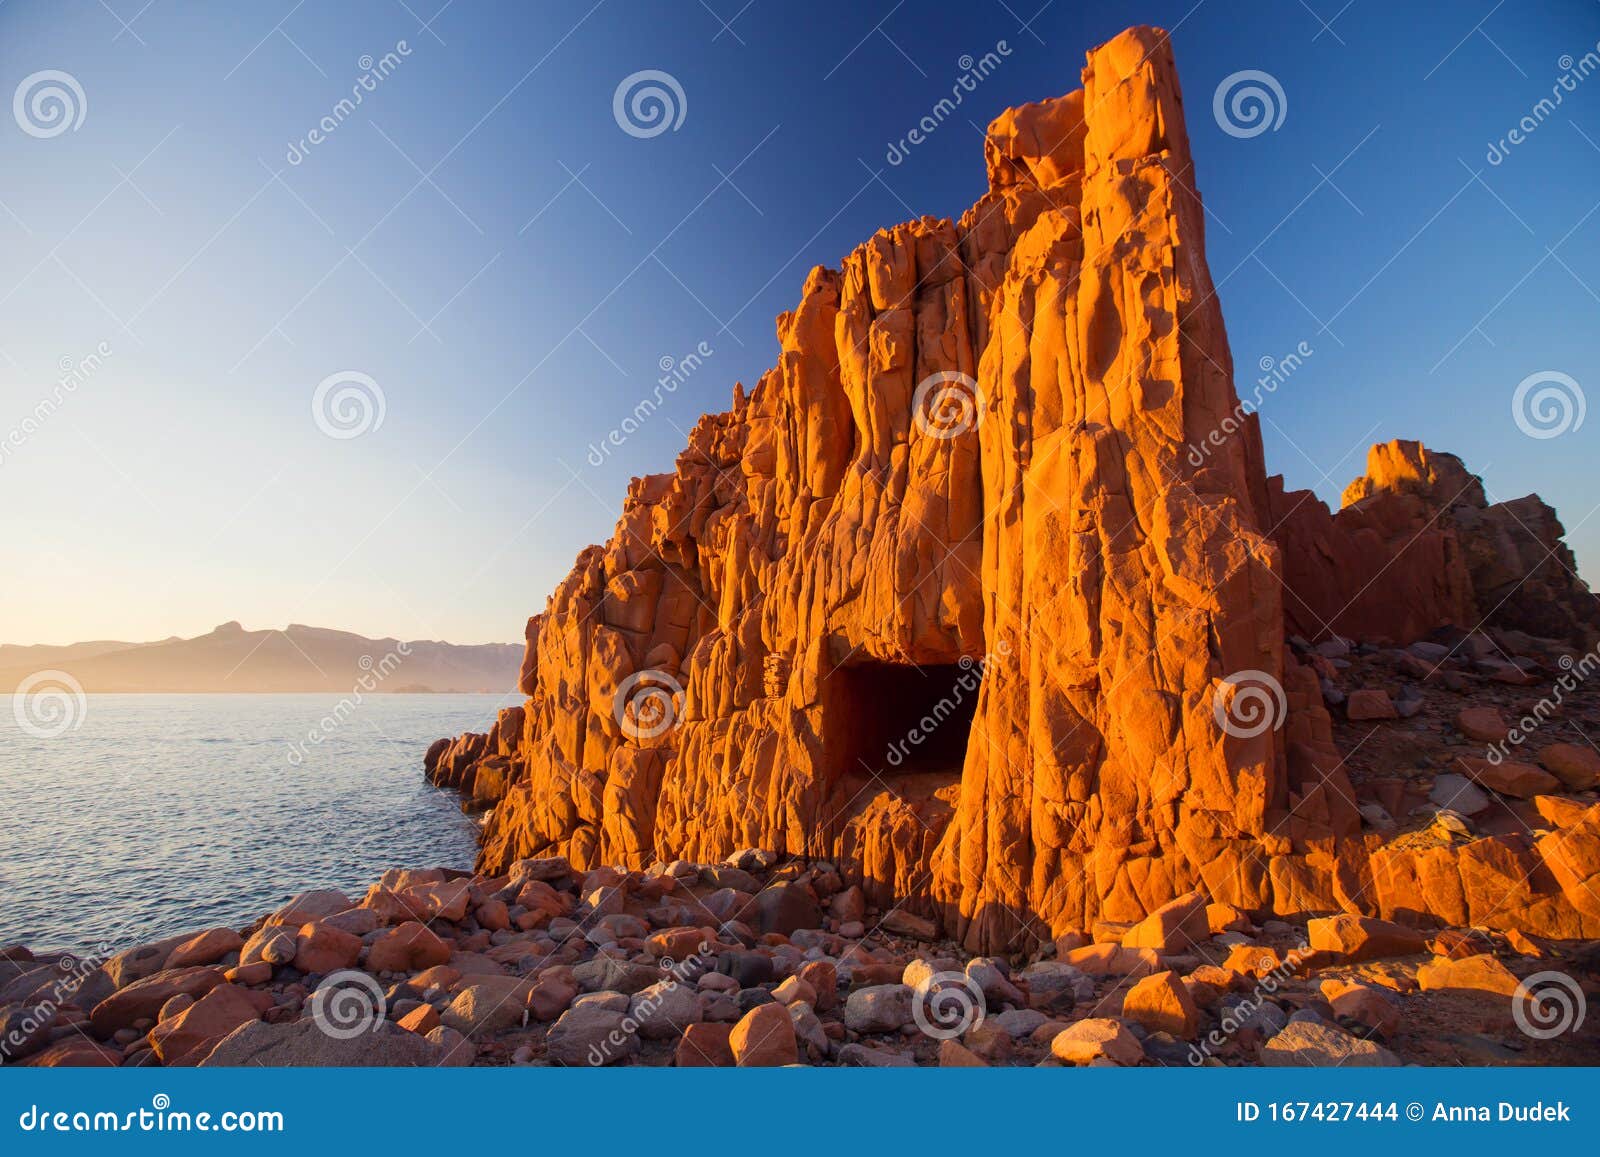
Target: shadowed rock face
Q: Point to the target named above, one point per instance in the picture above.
(1417, 546)
(964, 502)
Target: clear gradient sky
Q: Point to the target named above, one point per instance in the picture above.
(483, 241)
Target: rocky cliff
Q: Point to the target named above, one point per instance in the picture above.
(948, 600)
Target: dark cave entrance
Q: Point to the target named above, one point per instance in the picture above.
(904, 720)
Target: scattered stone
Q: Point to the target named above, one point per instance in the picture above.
(879, 1008)
(481, 1010)
(456, 1049)
(1111, 960)
(272, 944)
(309, 906)
(421, 1020)
(1356, 938)
(1018, 1023)
(1366, 705)
(764, 1037)
(1459, 794)
(321, 948)
(1474, 974)
(590, 1035)
(1099, 1038)
(189, 1036)
(143, 999)
(1364, 1004)
(955, 1055)
(902, 923)
(1519, 780)
(408, 947)
(1306, 1043)
(1576, 767)
(1485, 724)
(1177, 926)
(787, 908)
(206, 948)
(1162, 1004)
(302, 1043)
(861, 1056)
(665, 1009)
(705, 1046)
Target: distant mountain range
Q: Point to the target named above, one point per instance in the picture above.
(298, 658)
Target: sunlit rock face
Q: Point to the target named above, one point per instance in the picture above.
(951, 599)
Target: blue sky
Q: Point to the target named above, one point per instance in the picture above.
(482, 240)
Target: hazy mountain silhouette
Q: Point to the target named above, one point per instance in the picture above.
(298, 658)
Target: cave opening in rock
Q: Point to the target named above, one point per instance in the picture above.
(906, 720)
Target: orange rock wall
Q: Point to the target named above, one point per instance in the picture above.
(702, 682)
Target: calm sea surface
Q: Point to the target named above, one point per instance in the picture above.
(164, 813)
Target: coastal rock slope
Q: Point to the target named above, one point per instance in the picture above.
(952, 600)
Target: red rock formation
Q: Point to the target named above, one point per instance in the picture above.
(948, 599)
(1417, 546)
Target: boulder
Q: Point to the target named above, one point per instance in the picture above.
(879, 1008)
(1366, 705)
(143, 999)
(321, 948)
(205, 948)
(787, 908)
(591, 1035)
(1099, 1038)
(482, 1009)
(1509, 777)
(1162, 1004)
(705, 1045)
(1481, 973)
(408, 947)
(271, 944)
(1355, 938)
(186, 1039)
(1304, 1043)
(309, 906)
(764, 1037)
(1485, 724)
(664, 1009)
(302, 1044)
(1578, 768)
(610, 974)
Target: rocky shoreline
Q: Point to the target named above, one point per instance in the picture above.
(756, 962)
